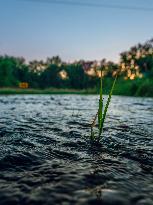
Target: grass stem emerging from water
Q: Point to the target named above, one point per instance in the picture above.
(102, 111)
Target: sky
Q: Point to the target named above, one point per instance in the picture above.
(39, 29)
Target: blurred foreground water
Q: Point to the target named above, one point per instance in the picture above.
(46, 158)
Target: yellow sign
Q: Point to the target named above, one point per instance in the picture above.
(23, 85)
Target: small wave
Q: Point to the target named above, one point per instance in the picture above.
(19, 160)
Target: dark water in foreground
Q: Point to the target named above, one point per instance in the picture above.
(45, 157)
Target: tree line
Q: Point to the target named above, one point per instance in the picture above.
(135, 63)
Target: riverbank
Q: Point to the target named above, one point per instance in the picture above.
(139, 87)
(8, 91)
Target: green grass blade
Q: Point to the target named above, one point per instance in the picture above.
(107, 104)
(100, 110)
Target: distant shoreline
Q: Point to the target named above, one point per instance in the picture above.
(51, 91)
(14, 91)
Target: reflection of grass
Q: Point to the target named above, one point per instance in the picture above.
(102, 111)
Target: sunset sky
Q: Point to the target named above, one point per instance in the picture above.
(40, 29)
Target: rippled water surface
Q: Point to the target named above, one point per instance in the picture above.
(46, 157)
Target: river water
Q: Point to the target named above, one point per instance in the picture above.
(46, 156)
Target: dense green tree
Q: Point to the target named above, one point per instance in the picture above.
(77, 77)
(50, 77)
(9, 67)
(138, 61)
